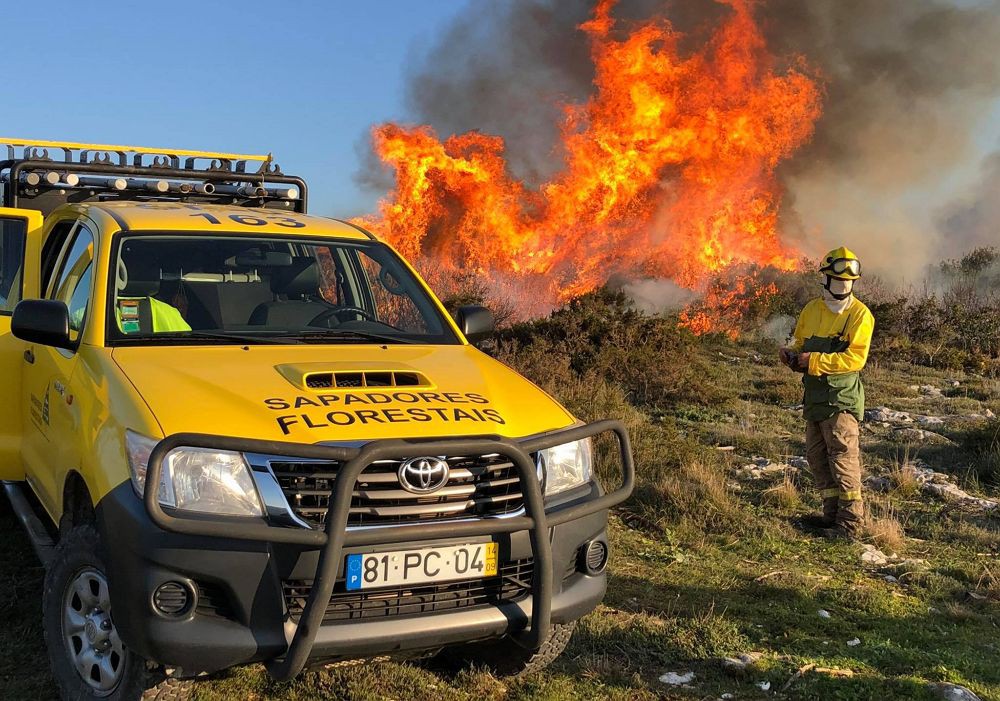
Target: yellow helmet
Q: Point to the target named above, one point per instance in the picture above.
(841, 263)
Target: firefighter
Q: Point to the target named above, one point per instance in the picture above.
(830, 348)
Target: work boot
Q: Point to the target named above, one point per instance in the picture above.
(818, 521)
(838, 532)
(827, 519)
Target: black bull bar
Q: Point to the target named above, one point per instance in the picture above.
(335, 536)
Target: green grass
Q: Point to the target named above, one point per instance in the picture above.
(703, 566)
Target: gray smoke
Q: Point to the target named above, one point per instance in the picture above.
(778, 329)
(655, 296)
(974, 221)
(907, 85)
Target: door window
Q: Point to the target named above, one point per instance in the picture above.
(12, 235)
(72, 284)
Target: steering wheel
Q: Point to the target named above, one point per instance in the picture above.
(323, 318)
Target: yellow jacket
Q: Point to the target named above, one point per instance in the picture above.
(854, 325)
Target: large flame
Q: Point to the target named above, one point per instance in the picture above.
(669, 170)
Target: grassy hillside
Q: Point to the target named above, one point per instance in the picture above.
(708, 562)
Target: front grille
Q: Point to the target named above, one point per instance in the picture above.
(477, 486)
(512, 583)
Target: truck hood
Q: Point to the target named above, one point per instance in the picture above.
(312, 394)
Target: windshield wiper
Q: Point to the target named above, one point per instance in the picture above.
(350, 334)
(222, 336)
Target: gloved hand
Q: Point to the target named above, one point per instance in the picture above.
(787, 357)
(801, 362)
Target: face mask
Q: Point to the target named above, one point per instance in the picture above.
(838, 289)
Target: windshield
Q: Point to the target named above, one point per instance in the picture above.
(217, 289)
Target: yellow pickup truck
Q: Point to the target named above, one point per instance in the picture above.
(238, 433)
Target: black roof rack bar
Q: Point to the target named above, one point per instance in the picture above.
(221, 172)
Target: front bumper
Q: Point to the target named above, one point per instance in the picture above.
(237, 569)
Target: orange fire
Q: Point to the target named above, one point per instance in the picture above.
(669, 171)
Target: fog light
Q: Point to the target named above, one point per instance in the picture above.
(172, 599)
(594, 557)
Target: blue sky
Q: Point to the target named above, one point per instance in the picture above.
(305, 80)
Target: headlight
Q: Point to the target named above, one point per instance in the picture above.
(196, 479)
(564, 466)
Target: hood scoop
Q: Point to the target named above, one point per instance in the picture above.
(321, 376)
(344, 380)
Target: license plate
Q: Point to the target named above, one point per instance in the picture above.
(407, 567)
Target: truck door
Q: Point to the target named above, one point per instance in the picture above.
(17, 227)
(51, 433)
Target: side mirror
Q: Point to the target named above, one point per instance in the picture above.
(475, 322)
(42, 321)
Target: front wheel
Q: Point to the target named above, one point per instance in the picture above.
(505, 658)
(89, 660)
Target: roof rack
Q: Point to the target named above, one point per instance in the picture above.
(93, 173)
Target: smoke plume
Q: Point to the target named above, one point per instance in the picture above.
(907, 84)
(655, 295)
(974, 221)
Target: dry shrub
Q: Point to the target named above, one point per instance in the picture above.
(696, 493)
(904, 477)
(784, 496)
(882, 527)
(904, 482)
(989, 582)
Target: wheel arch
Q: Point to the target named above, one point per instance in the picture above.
(77, 502)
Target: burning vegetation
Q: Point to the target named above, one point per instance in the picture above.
(666, 171)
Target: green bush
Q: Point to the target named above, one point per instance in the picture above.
(960, 329)
(984, 444)
(601, 334)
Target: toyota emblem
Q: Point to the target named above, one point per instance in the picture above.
(423, 475)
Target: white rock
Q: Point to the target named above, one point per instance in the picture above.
(674, 679)
(911, 434)
(727, 695)
(989, 414)
(946, 490)
(823, 613)
(871, 555)
(854, 643)
(740, 663)
(878, 484)
(953, 692)
(930, 420)
(884, 414)
(764, 686)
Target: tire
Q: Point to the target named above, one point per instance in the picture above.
(80, 633)
(505, 658)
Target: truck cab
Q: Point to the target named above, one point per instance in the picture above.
(239, 433)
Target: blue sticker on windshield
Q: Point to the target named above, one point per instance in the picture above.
(353, 572)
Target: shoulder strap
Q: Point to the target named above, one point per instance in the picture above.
(847, 322)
